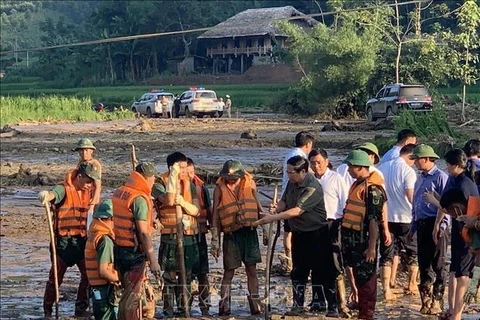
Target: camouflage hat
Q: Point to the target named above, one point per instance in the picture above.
(423, 151)
(232, 169)
(104, 209)
(370, 147)
(90, 170)
(358, 157)
(147, 169)
(84, 143)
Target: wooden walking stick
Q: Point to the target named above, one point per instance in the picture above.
(270, 250)
(181, 257)
(54, 255)
(134, 157)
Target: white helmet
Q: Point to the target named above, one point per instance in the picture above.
(227, 96)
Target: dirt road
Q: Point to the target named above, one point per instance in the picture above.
(40, 155)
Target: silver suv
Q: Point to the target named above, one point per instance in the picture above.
(154, 103)
(200, 102)
(392, 98)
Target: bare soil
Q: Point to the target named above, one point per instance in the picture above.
(40, 155)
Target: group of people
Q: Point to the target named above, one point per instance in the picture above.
(338, 224)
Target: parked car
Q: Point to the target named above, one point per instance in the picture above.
(200, 102)
(394, 97)
(150, 103)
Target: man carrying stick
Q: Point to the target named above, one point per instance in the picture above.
(71, 201)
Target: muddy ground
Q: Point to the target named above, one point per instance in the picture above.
(39, 155)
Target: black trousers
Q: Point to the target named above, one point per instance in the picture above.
(312, 252)
(431, 256)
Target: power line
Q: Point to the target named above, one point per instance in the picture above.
(160, 34)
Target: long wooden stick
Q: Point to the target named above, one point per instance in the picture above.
(181, 257)
(270, 251)
(54, 255)
(134, 157)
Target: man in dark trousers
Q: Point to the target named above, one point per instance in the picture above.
(362, 215)
(302, 204)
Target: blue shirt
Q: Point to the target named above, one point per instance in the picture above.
(391, 154)
(463, 183)
(434, 180)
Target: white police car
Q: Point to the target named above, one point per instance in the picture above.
(154, 103)
(199, 102)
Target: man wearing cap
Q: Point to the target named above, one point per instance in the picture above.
(172, 189)
(303, 205)
(431, 252)
(404, 137)
(228, 106)
(204, 220)
(99, 262)
(133, 226)
(385, 236)
(399, 182)
(362, 217)
(85, 149)
(235, 209)
(70, 201)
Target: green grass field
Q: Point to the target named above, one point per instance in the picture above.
(454, 94)
(246, 97)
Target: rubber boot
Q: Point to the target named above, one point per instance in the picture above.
(426, 297)
(180, 302)
(225, 301)
(298, 297)
(342, 298)
(255, 304)
(386, 272)
(437, 301)
(168, 299)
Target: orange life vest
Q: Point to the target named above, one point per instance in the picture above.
(473, 209)
(97, 230)
(202, 218)
(71, 214)
(168, 214)
(356, 208)
(237, 210)
(123, 197)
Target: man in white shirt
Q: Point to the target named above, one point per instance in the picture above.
(335, 193)
(404, 137)
(400, 180)
(303, 145)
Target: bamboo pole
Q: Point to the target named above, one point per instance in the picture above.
(270, 250)
(182, 277)
(54, 255)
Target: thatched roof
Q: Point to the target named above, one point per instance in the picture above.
(255, 22)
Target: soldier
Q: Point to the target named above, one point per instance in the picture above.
(133, 227)
(303, 205)
(85, 149)
(165, 193)
(362, 216)
(431, 249)
(71, 201)
(99, 262)
(400, 181)
(235, 208)
(335, 193)
(201, 269)
(303, 145)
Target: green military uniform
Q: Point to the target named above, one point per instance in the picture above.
(167, 257)
(102, 308)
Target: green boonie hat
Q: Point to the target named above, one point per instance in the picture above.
(90, 170)
(368, 146)
(147, 169)
(423, 151)
(232, 169)
(84, 143)
(358, 158)
(104, 209)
